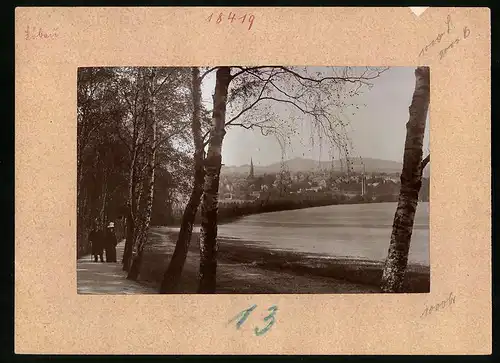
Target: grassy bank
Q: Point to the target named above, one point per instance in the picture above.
(351, 270)
(365, 275)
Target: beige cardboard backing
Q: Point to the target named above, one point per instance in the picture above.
(49, 315)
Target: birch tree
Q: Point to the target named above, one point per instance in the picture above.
(120, 143)
(139, 87)
(145, 218)
(129, 87)
(318, 97)
(213, 161)
(165, 121)
(411, 181)
(174, 270)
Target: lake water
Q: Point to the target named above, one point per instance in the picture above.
(354, 231)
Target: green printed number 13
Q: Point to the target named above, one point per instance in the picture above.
(243, 316)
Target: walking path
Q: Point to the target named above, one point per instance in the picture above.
(107, 278)
(104, 278)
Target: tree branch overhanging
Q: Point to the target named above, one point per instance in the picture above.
(260, 98)
(246, 69)
(345, 78)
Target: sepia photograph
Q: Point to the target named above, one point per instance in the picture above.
(253, 180)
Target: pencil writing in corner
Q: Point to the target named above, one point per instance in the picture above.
(33, 33)
(439, 306)
(444, 51)
(441, 37)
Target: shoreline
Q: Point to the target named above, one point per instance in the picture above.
(278, 271)
(261, 206)
(274, 206)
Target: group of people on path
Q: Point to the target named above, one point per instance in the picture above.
(103, 242)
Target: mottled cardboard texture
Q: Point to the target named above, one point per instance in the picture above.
(49, 315)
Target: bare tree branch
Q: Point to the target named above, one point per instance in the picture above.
(274, 85)
(312, 96)
(246, 109)
(337, 79)
(246, 69)
(259, 98)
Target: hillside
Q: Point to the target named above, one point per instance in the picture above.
(304, 165)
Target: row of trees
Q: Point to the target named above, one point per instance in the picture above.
(133, 124)
(145, 140)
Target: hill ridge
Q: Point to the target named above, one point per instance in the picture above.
(305, 164)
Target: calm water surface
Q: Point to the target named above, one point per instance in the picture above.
(355, 230)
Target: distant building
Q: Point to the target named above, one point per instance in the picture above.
(251, 174)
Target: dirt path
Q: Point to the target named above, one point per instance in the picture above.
(107, 278)
(232, 277)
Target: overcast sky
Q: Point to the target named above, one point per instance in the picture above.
(376, 130)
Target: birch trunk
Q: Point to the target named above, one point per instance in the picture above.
(173, 273)
(143, 233)
(129, 240)
(140, 212)
(139, 193)
(144, 227)
(411, 181)
(208, 232)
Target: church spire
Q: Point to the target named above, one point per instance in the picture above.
(251, 175)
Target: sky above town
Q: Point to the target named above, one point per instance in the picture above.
(377, 130)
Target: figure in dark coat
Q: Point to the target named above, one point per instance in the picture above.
(110, 243)
(95, 240)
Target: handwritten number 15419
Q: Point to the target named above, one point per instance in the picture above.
(243, 316)
(219, 18)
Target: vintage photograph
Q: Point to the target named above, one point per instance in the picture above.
(253, 180)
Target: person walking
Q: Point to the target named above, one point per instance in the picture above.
(110, 243)
(95, 240)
